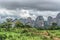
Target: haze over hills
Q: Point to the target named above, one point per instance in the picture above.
(28, 17)
(35, 12)
(22, 13)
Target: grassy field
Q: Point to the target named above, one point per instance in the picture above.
(28, 34)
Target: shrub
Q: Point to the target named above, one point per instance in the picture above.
(19, 24)
(24, 31)
(3, 36)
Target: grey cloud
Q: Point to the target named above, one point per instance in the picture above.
(43, 5)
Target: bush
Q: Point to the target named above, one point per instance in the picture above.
(24, 31)
(27, 26)
(19, 24)
(3, 36)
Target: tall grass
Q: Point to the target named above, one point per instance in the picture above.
(28, 34)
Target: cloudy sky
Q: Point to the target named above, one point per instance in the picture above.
(30, 8)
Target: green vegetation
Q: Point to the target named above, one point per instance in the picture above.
(28, 34)
(17, 31)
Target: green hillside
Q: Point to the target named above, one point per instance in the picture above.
(28, 34)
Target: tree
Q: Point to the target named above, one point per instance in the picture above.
(2, 25)
(54, 26)
(27, 26)
(18, 24)
(8, 22)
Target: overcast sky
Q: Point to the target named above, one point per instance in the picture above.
(31, 8)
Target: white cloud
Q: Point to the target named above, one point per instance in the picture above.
(28, 13)
(48, 13)
(6, 12)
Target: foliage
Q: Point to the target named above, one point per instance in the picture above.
(27, 26)
(8, 20)
(54, 24)
(3, 37)
(53, 27)
(19, 24)
(28, 34)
